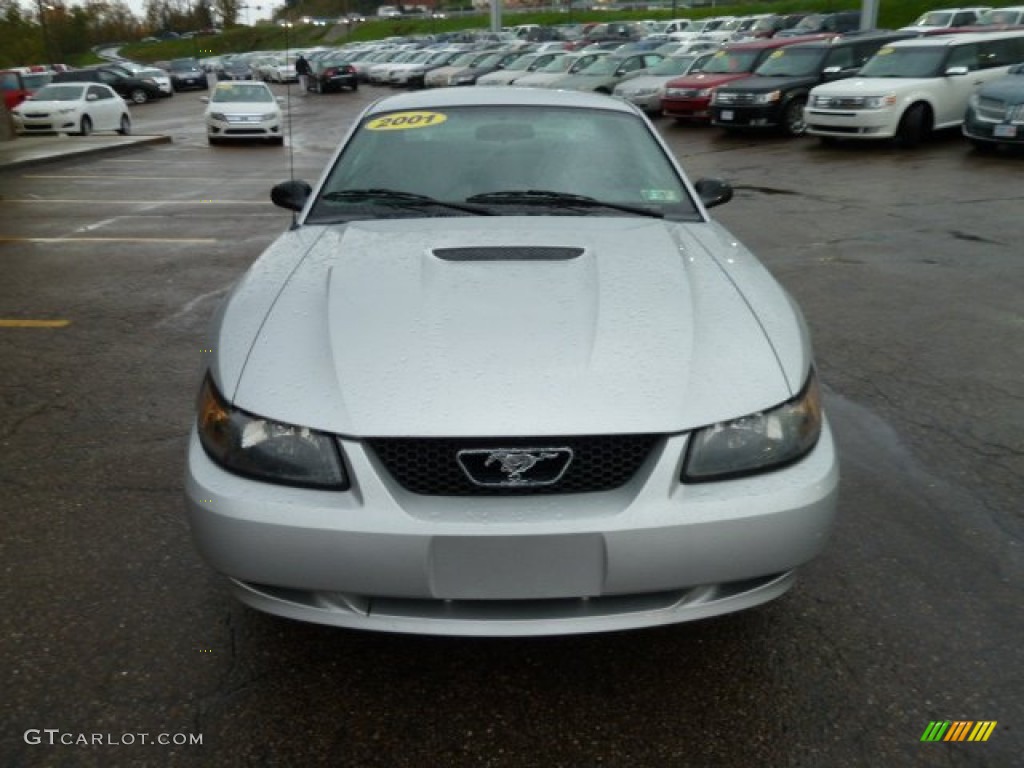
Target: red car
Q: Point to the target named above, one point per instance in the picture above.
(689, 97)
(18, 86)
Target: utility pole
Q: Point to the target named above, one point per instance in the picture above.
(869, 14)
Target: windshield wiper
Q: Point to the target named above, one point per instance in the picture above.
(558, 200)
(398, 197)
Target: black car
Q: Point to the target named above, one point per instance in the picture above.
(816, 23)
(137, 90)
(332, 73)
(236, 69)
(995, 113)
(186, 73)
(775, 95)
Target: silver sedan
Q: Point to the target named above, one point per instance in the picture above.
(505, 376)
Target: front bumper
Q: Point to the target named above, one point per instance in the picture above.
(852, 124)
(1002, 132)
(651, 552)
(49, 124)
(263, 129)
(766, 116)
(688, 109)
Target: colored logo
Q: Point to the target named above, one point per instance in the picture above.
(958, 730)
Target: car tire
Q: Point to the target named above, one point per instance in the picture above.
(914, 127)
(125, 129)
(793, 123)
(138, 96)
(85, 127)
(355, 87)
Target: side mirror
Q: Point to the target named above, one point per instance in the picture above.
(831, 70)
(280, 99)
(956, 71)
(292, 195)
(204, 99)
(713, 192)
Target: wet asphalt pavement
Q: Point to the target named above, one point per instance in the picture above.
(908, 266)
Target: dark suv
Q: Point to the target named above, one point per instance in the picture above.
(137, 90)
(186, 73)
(775, 95)
(816, 23)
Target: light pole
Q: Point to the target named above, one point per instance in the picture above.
(42, 9)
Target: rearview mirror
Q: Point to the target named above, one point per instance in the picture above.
(955, 71)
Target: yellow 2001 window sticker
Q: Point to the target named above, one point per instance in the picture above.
(403, 121)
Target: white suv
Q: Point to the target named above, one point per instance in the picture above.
(946, 18)
(912, 87)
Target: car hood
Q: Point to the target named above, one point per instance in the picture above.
(761, 84)
(362, 329)
(1009, 89)
(32, 105)
(871, 86)
(703, 80)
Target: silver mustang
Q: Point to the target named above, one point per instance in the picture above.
(504, 376)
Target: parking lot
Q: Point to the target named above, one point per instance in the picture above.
(907, 265)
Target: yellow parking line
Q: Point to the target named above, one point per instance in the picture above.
(199, 240)
(34, 323)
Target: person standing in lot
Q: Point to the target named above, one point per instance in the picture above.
(303, 70)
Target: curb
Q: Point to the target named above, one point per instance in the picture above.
(24, 152)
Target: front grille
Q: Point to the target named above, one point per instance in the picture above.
(991, 109)
(730, 98)
(429, 466)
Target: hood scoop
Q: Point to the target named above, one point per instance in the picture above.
(508, 253)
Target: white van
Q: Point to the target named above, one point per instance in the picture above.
(912, 87)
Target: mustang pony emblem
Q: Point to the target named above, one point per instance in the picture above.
(515, 467)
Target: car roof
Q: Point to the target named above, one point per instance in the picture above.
(960, 38)
(841, 40)
(496, 96)
(772, 42)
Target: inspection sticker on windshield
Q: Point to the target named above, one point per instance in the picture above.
(402, 121)
(660, 195)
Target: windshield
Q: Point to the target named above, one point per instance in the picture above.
(455, 155)
(810, 23)
(674, 65)
(1001, 17)
(904, 62)
(606, 65)
(59, 93)
(241, 93)
(561, 64)
(934, 19)
(731, 62)
(792, 62)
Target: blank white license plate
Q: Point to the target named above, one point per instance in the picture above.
(1005, 131)
(726, 114)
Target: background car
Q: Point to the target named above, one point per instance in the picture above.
(275, 69)
(75, 108)
(995, 112)
(243, 110)
(606, 72)
(158, 76)
(236, 69)
(505, 376)
(333, 72)
(647, 90)
(186, 74)
(17, 86)
(137, 90)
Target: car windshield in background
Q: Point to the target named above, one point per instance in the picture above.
(673, 65)
(240, 93)
(934, 19)
(496, 161)
(904, 62)
(729, 62)
(792, 62)
(59, 93)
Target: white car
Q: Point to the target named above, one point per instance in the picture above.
(275, 69)
(505, 376)
(75, 108)
(911, 87)
(559, 67)
(243, 109)
(945, 18)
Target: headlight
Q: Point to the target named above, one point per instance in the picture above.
(767, 98)
(267, 450)
(219, 116)
(758, 442)
(67, 110)
(268, 115)
(705, 93)
(878, 102)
